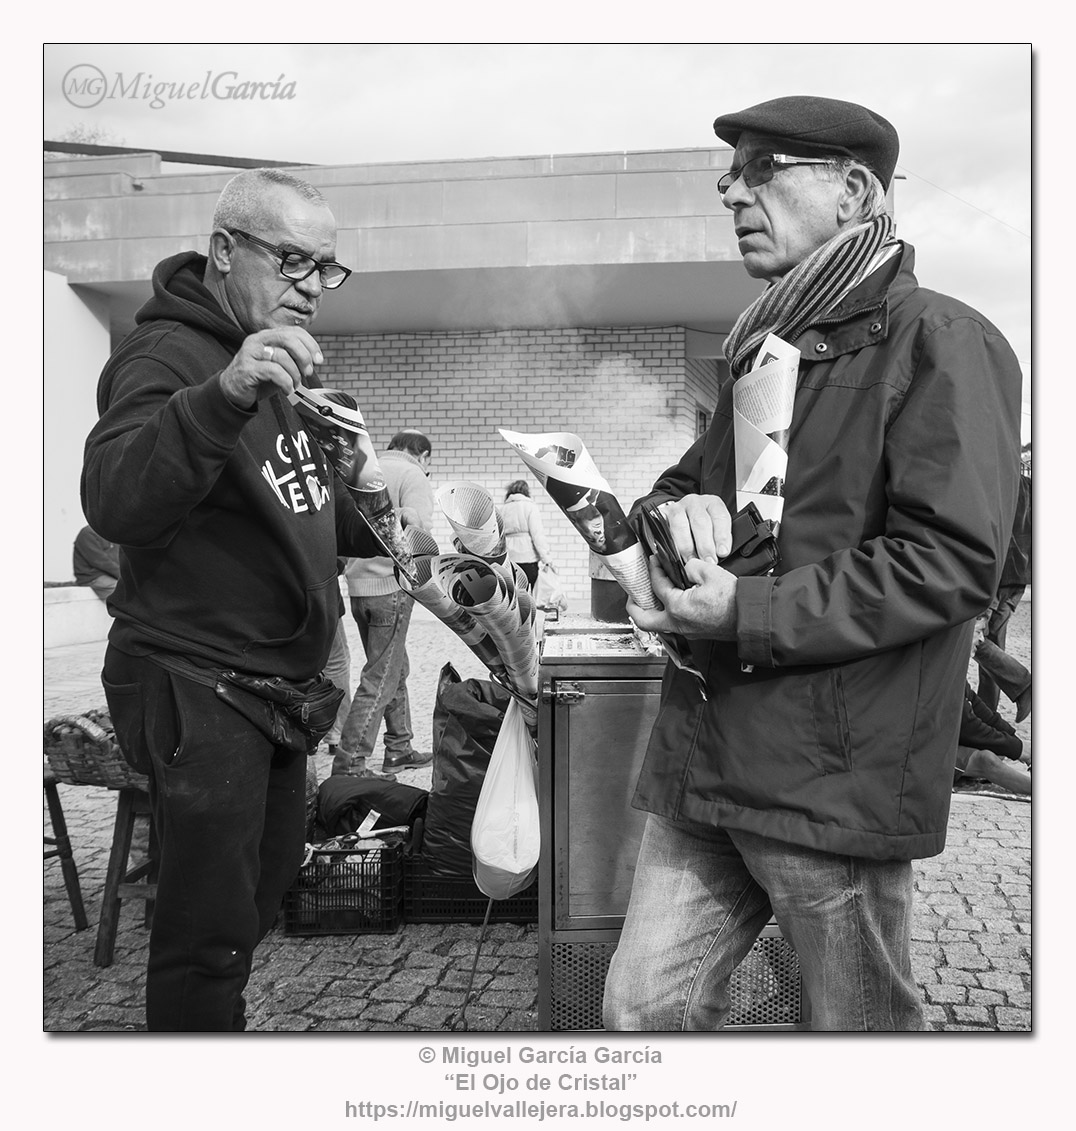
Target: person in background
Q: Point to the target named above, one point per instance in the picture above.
(96, 562)
(1015, 578)
(382, 612)
(338, 669)
(819, 763)
(989, 746)
(1003, 671)
(523, 534)
(231, 521)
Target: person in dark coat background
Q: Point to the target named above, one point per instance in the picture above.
(1015, 578)
(989, 746)
(96, 562)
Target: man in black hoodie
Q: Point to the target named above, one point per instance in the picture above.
(231, 521)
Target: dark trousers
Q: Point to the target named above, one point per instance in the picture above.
(531, 570)
(989, 689)
(229, 812)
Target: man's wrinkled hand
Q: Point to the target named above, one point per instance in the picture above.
(706, 611)
(700, 526)
(409, 517)
(270, 361)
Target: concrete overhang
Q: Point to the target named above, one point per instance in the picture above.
(529, 242)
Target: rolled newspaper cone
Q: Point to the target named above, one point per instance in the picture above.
(420, 543)
(376, 507)
(512, 572)
(334, 419)
(763, 401)
(487, 605)
(493, 601)
(561, 463)
(426, 590)
(528, 610)
(369, 477)
(474, 519)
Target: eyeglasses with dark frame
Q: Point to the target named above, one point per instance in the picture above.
(296, 266)
(759, 170)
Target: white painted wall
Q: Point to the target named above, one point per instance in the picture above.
(76, 349)
(74, 615)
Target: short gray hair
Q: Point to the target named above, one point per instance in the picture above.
(243, 204)
(874, 202)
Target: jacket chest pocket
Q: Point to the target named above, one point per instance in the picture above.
(833, 739)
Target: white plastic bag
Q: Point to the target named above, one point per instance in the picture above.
(505, 834)
(548, 593)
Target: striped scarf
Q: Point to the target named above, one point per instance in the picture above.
(810, 290)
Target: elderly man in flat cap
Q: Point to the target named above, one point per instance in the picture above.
(820, 762)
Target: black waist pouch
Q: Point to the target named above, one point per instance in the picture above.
(296, 715)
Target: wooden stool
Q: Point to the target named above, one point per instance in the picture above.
(61, 847)
(120, 881)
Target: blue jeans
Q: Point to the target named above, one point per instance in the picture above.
(699, 899)
(338, 671)
(382, 689)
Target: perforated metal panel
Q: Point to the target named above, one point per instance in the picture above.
(577, 983)
(765, 988)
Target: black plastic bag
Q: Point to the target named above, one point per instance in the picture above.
(467, 718)
(344, 801)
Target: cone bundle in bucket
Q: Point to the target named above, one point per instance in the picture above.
(478, 593)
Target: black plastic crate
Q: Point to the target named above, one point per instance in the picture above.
(352, 891)
(437, 899)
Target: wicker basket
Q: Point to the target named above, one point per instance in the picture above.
(82, 750)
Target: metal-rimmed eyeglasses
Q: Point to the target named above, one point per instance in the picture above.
(296, 266)
(761, 169)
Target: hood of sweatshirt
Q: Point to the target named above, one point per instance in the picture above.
(180, 295)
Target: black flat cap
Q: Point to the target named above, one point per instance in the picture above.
(814, 127)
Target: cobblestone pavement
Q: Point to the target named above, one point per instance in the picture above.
(971, 941)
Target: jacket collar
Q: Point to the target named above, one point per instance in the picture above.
(861, 318)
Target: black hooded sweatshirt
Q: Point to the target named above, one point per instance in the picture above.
(226, 559)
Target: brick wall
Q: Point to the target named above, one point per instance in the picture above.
(629, 394)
